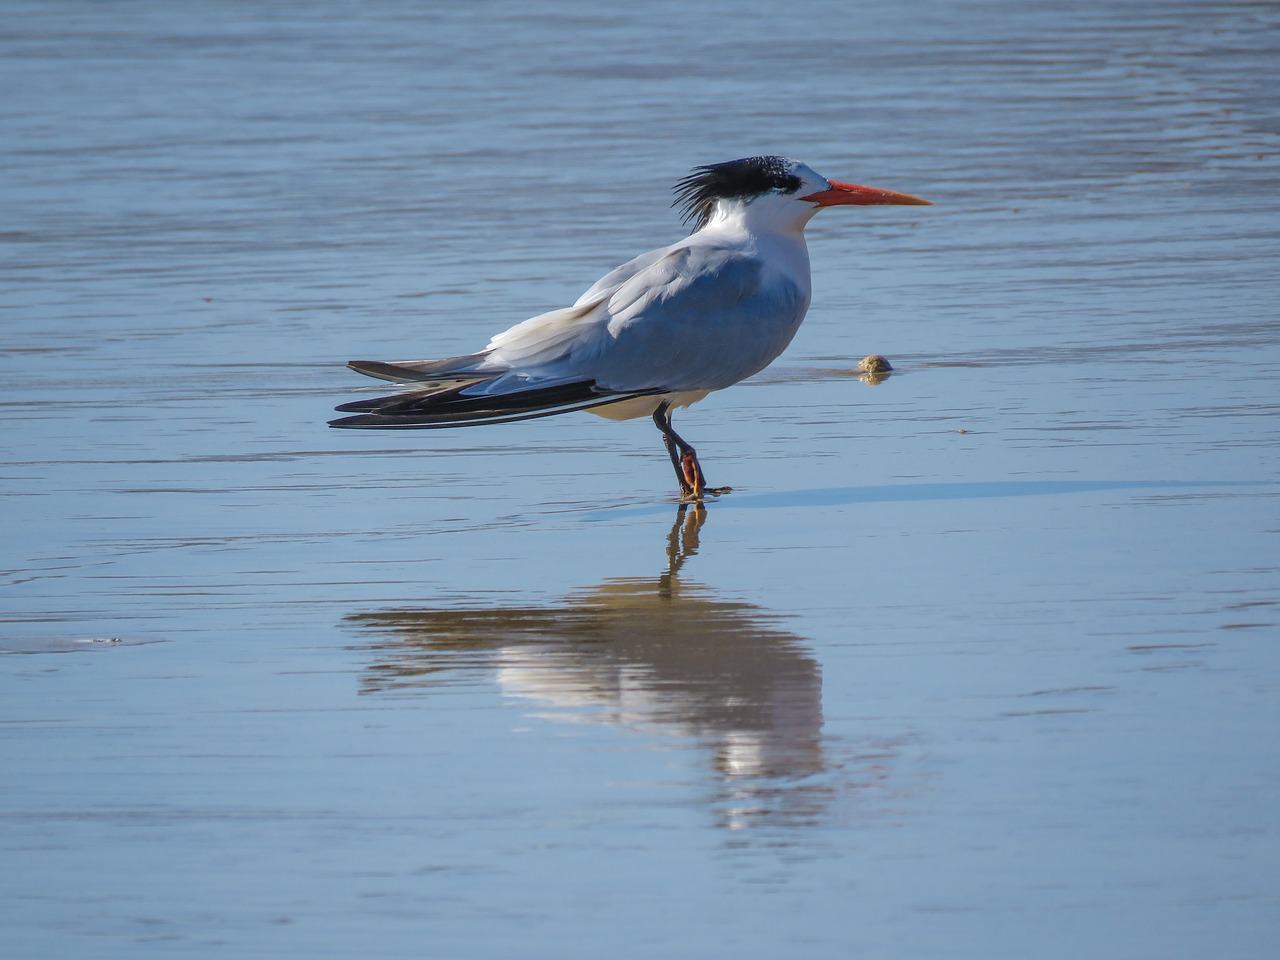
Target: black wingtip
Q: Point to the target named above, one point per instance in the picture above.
(359, 421)
(455, 369)
(357, 406)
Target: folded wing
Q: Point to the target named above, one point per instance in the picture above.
(685, 318)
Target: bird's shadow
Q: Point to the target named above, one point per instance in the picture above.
(920, 492)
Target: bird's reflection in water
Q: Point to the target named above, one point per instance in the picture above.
(659, 654)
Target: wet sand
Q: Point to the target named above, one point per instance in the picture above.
(978, 660)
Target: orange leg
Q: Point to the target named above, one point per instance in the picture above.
(685, 460)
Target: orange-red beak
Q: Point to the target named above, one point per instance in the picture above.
(841, 193)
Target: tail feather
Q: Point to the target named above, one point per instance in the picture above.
(409, 400)
(451, 407)
(450, 370)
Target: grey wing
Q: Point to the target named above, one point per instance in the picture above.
(525, 346)
(687, 318)
(611, 281)
(699, 318)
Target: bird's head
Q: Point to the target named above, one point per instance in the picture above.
(786, 193)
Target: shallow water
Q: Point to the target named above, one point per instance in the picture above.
(978, 661)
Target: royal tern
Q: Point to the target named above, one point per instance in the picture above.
(657, 333)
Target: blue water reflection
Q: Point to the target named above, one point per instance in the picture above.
(662, 655)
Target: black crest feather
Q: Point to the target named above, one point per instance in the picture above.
(696, 194)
